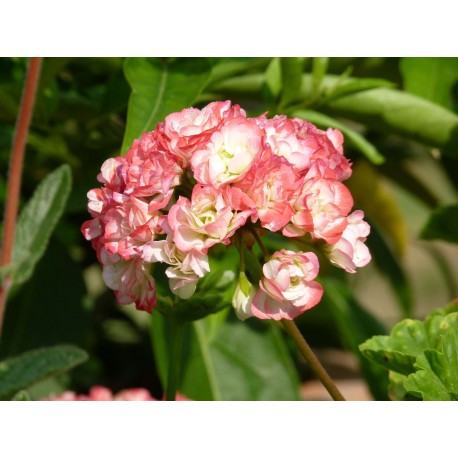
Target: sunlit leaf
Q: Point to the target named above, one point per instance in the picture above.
(319, 69)
(390, 110)
(436, 378)
(291, 79)
(160, 87)
(431, 78)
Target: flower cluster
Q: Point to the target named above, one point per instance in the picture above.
(101, 393)
(201, 176)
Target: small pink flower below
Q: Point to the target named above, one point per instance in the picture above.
(287, 288)
(101, 393)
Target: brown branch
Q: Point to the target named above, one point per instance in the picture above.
(15, 172)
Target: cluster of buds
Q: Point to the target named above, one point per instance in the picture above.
(202, 178)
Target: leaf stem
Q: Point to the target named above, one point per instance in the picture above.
(176, 347)
(264, 250)
(312, 360)
(15, 172)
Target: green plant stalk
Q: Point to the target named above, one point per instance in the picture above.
(257, 237)
(15, 172)
(312, 360)
(176, 347)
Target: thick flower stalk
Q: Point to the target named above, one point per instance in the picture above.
(211, 176)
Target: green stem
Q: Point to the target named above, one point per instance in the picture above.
(174, 360)
(264, 250)
(312, 360)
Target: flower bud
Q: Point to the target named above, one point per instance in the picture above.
(243, 297)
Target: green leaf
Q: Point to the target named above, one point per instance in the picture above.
(355, 139)
(37, 221)
(49, 309)
(442, 224)
(21, 396)
(396, 389)
(159, 88)
(407, 341)
(436, 378)
(291, 79)
(319, 69)
(431, 78)
(226, 67)
(346, 86)
(230, 359)
(390, 110)
(273, 83)
(22, 371)
(398, 352)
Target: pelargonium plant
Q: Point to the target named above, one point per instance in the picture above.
(213, 176)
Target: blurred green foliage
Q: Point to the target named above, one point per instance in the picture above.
(399, 118)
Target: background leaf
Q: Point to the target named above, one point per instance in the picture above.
(291, 79)
(442, 225)
(430, 78)
(230, 359)
(160, 87)
(390, 110)
(22, 371)
(37, 221)
(38, 315)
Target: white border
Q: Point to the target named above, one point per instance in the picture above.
(227, 429)
(228, 28)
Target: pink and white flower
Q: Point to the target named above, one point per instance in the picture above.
(350, 251)
(129, 226)
(151, 172)
(229, 154)
(287, 288)
(191, 128)
(185, 268)
(210, 217)
(321, 208)
(130, 280)
(325, 151)
(271, 184)
(284, 174)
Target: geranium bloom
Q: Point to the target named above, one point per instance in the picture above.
(350, 251)
(228, 155)
(131, 280)
(190, 128)
(270, 184)
(213, 176)
(186, 268)
(287, 288)
(150, 171)
(210, 217)
(321, 208)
